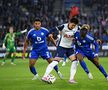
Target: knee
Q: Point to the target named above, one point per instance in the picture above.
(80, 58)
(31, 64)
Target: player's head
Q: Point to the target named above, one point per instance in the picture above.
(72, 23)
(83, 31)
(11, 29)
(37, 23)
(86, 26)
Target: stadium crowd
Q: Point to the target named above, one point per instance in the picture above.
(21, 13)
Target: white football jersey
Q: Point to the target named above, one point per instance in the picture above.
(67, 36)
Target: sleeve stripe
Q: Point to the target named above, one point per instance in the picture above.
(45, 29)
(91, 38)
(29, 32)
(57, 28)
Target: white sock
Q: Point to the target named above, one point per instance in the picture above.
(73, 69)
(50, 68)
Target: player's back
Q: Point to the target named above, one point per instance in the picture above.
(38, 38)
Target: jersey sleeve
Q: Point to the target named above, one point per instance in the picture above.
(46, 32)
(17, 33)
(29, 35)
(94, 42)
(60, 28)
(4, 41)
(96, 46)
(56, 29)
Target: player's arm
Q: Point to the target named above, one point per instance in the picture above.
(4, 41)
(25, 47)
(52, 39)
(96, 47)
(56, 31)
(21, 32)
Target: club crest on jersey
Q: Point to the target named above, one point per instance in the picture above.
(68, 36)
(38, 38)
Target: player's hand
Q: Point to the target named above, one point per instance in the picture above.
(3, 46)
(50, 35)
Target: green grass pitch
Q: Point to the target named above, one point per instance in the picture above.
(19, 77)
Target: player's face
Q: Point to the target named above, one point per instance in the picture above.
(83, 33)
(71, 25)
(11, 30)
(37, 25)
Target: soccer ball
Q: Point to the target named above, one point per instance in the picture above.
(51, 78)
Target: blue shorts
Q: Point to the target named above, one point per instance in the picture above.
(45, 54)
(61, 52)
(89, 54)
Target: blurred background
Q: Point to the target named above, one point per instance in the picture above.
(21, 13)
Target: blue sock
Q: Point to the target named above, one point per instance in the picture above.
(33, 70)
(102, 70)
(56, 68)
(84, 66)
(65, 58)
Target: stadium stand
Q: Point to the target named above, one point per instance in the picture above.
(20, 13)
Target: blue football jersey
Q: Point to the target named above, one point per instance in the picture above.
(84, 44)
(38, 38)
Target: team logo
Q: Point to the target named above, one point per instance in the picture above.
(38, 38)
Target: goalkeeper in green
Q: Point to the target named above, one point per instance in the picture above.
(9, 41)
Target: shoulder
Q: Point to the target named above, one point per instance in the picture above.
(31, 30)
(44, 29)
(61, 27)
(77, 33)
(90, 37)
(7, 34)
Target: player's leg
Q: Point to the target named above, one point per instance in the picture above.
(32, 68)
(64, 61)
(45, 54)
(55, 61)
(99, 66)
(74, 64)
(56, 68)
(13, 58)
(6, 55)
(33, 58)
(13, 51)
(80, 57)
(73, 69)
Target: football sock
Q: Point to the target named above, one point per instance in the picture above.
(13, 58)
(84, 66)
(65, 58)
(50, 68)
(102, 70)
(56, 68)
(33, 70)
(5, 57)
(73, 69)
